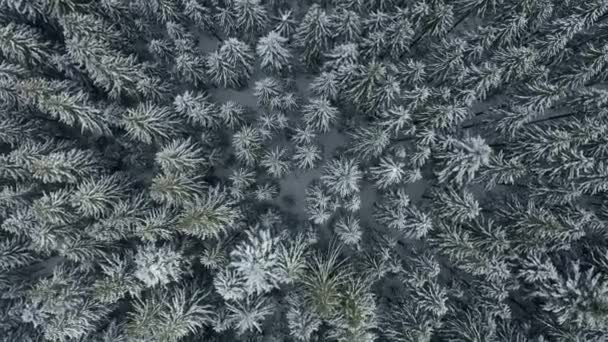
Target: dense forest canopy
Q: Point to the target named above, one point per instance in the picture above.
(315, 170)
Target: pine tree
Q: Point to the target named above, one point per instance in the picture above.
(68, 166)
(15, 253)
(232, 114)
(267, 89)
(342, 176)
(313, 34)
(251, 17)
(274, 55)
(388, 173)
(341, 56)
(322, 282)
(98, 197)
(302, 323)
(320, 114)
(209, 216)
(174, 189)
(249, 314)
(158, 265)
(284, 24)
(292, 258)
(24, 45)
(276, 162)
(247, 143)
(191, 68)
(232, 65)
(463, 159)
(114, 72)
(180, 156)
(399, 34)
(150, 123)
(396, 212)
(348, 230)
(221, 72)
(200, 14)
(167, 316)
(257, 262)
(320, 205)
(60, 306)
(117, 280)
(347, 25)
(369, 143)
(325, 86)
(456, 206)
(307, 156)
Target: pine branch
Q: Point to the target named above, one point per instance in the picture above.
(464, 16)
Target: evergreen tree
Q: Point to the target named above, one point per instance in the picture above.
(150, 123)
(158, 266)
(307, 156)
(24, 45)
(209, 216)
(313, 34)
(276, 162)
(319, 114)
(274, 55)
(247, 143)
(464, 158)
(342, 176)
(251, 17)
(232, 65)
(257, 262)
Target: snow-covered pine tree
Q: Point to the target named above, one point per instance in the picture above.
(273, 53)
(313, 34)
